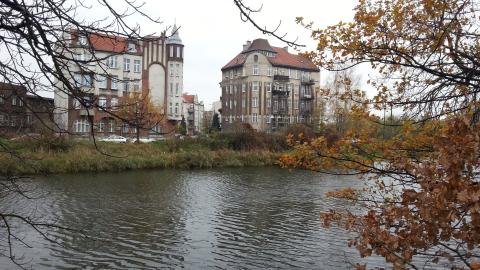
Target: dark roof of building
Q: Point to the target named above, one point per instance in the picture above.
(282, 57)
(259, 45)
(10, 87)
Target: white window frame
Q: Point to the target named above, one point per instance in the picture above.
(255, 70)
(269, 71)
(112, 61)
(82, 40)
(254, 102)
(126, 64)
(136, 66)
(101, 81)
(102, 102)
(114, 102)
(136, 85)
(114, 83)
(255, 86)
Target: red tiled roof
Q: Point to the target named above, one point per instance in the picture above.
(188, 98)
(239, 60)
(282, 59)
(110, 43)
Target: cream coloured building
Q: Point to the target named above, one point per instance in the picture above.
(153, 64)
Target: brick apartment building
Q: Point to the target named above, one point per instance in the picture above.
(21, 113)
(268, 88)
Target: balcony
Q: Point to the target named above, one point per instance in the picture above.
(281, 78)
(283, 110)
(306, 81)
(306, 111)
(307, 97)
(281, 93)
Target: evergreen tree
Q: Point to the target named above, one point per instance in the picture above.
(216, 122)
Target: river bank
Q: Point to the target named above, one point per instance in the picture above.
(39, 157)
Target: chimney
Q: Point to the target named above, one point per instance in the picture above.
(247, 45)
(286, 48)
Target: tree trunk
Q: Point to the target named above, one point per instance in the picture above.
(138, 135)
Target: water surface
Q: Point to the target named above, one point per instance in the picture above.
(249, 218)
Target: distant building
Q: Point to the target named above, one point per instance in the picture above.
(21, 113)
(153, 65)
(193, 111)
(268, 88)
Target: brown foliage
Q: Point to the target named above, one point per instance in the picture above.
(423, 193)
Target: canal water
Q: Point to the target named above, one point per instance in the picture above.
(248, 218)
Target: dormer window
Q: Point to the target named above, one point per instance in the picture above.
(131, 47)
(82, 40)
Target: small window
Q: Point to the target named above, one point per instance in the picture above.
(101, 81)
(136, 85)
(255, 58)
(126, 64)
(101, 126)
(112, 61)
(82, 40)
(255, 86)
(114, 83)
(102, 102)
(132, 47)
(126, 84)
(114, 102)
(136, 66)
(255, 70)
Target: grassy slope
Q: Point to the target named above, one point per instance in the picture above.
(37, 158)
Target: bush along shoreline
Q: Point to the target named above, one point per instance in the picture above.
(46, 155)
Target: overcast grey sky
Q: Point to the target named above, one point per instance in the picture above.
(213, 32)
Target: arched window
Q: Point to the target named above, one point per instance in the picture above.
(255, 58)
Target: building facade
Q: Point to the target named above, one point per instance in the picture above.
(193, 113)
(21, 113)
(153, 66)
(268, 88)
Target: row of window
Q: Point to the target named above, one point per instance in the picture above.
(254, 118)
(102, 102)
(85, 80)
(281, 104)
(16, 100)
(110, 125)
(304, 89)
(175, 71)
(13, 121)
(84, 126)
(171, 109)
(270, 71)
(179, 52)
(112, 62)
(177, 89)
